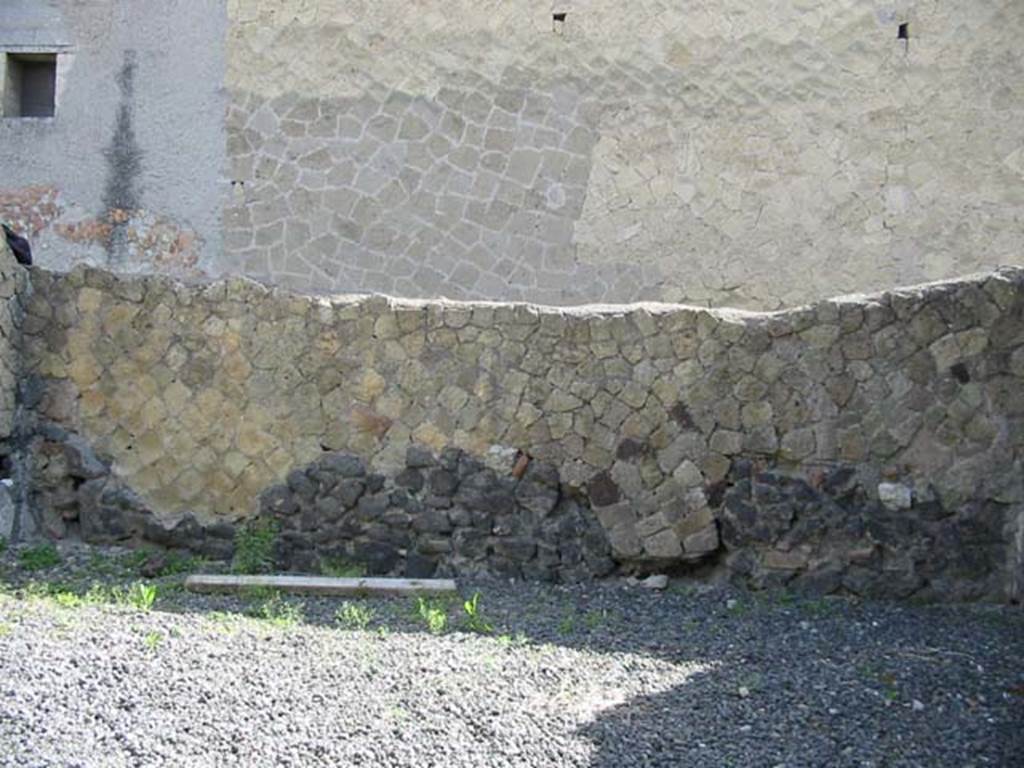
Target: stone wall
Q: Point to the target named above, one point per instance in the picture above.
(871, 445)
(735, 153)
(12, 286)
(732, 153)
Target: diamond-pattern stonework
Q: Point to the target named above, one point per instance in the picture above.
(775, 440)
(730, 154)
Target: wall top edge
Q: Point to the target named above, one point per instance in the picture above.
(244, 288)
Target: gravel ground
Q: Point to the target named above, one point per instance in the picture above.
(605, 674)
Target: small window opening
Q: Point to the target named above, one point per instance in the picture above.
(559, 18)
(30, 87)
(903, 33)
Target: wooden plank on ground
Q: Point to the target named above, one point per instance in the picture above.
(322, 585)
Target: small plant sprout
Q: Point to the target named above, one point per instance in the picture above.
(98, 594)
(568, 623)
(280, 612)
(39, 558)
(432, 614)
(474, 619)
(141, 596)
(508, 641)
(152, 640)
(354, 616)
(68, 600)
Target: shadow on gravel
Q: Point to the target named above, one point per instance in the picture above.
(770, 680)
(767, 679)
(832, 683)
(802, 715)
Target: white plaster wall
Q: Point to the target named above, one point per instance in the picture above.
(176, 113)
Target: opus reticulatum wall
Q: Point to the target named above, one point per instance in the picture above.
(870, 444)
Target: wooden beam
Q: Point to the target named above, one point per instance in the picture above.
(322, 585)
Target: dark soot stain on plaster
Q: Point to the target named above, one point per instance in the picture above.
(123, 154)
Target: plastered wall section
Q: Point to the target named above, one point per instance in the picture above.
(128, 174)
(729, 153)
(200, 397)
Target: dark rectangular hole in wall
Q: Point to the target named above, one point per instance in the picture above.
(903, 33)
(559, 16)
(30, 89)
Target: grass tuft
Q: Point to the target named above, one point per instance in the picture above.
(433, 614)
(39, 558)
(354, 616)
(281, 613)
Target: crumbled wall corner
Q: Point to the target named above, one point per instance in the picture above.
(14, 285)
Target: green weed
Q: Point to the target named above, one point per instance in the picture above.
(68, 600)
(279, 612)
(132, 561)
(225, 623)
(39, 558)
(890, 687)
(254, 547)
(40, 590)
(475, 621)
(784, 598)
(433, 615)
(152, 640)
(101, 565)
(140, 596)
(354, 616)
(98, 594)
(178, 564)
(567, 624)
(508, 641)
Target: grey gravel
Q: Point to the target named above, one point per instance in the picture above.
(603, 674)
